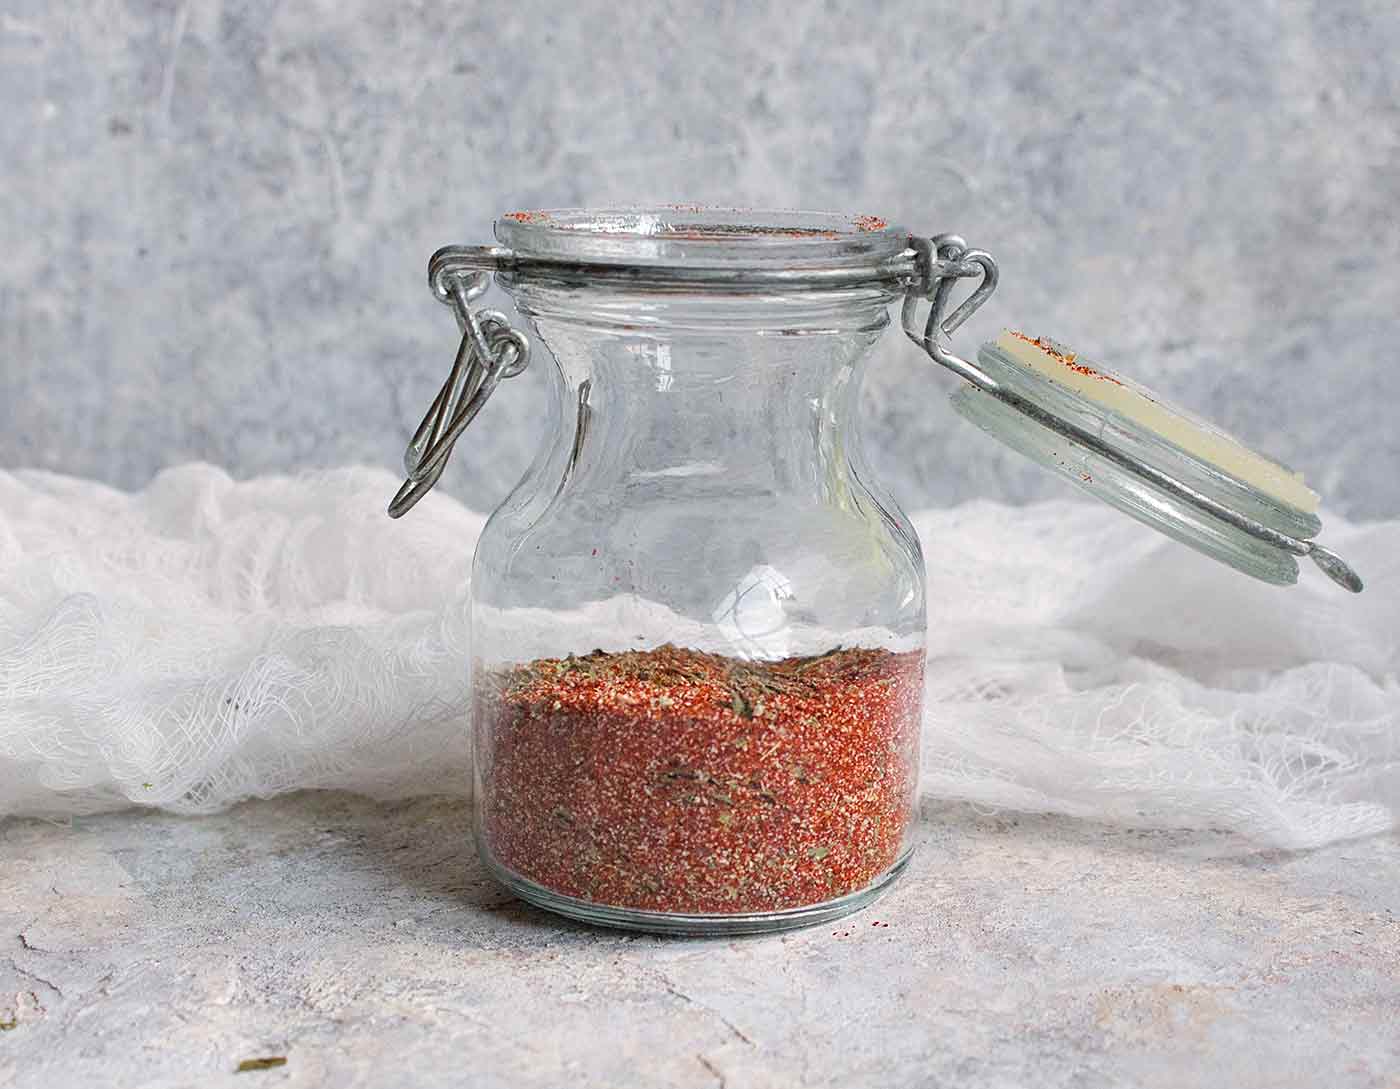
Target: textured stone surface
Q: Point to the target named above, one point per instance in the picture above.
(216, 213)
(365, 944)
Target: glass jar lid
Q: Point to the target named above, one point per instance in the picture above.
(1150, 459)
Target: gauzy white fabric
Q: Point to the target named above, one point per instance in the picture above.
(205, 641)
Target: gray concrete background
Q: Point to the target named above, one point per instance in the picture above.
(215, 214)
(364, 944)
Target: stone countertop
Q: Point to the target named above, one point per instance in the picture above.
(365, 944)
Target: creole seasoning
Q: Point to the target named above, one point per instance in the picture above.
(679, 781)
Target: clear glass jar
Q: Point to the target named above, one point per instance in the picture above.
(697, 625)
(698, 622)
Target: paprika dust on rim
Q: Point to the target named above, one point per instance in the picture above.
(674, 780)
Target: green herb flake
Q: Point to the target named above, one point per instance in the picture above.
(266, 1062)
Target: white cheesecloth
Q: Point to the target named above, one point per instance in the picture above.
(204, 641)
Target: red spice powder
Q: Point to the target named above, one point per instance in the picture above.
(679, 781)
(1068, 359)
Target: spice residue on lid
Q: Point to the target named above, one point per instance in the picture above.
(1069, 360)
(679, 781)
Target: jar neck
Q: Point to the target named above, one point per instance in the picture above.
(676, 393)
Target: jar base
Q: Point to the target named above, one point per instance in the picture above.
(678, 924)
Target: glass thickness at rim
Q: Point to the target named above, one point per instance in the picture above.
(693, 237)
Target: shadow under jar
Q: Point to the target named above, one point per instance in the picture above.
(698, 623)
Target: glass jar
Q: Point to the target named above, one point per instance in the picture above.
(698, 621)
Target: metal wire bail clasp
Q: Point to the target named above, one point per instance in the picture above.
(490, 350)
(943, 260)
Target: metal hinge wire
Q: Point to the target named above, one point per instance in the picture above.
(490, 350)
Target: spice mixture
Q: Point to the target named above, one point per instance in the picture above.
(679, 781)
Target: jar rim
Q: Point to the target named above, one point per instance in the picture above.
(694, 236)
